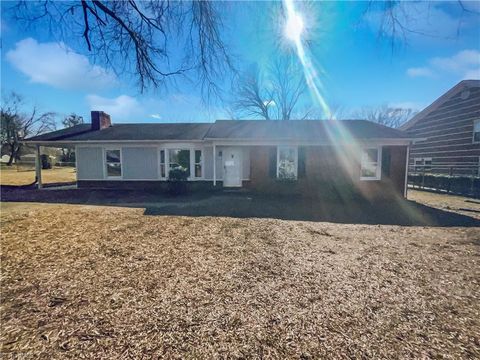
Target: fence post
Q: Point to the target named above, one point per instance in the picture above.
(423, 176)
(472, 182)
(450, 180)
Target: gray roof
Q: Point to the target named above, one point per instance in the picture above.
(173, 131)
(300, 130)
(305, 130)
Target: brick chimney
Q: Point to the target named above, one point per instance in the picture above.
(100, 120)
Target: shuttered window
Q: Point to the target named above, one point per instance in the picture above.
(476, 131)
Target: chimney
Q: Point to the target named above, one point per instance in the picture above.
(100, 120)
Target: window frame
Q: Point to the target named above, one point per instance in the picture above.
(190, 150)
(165, 163)
(105, 162)
(295, 148)
(475, 122)
(378, 172)
(194, 163)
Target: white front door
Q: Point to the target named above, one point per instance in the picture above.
(232, 165)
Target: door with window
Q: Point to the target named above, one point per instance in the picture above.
(232, 165)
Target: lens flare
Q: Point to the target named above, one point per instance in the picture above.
(294, 29)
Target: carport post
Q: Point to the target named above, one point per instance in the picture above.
(214, 165)
(38, 167)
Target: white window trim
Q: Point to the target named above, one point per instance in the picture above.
(296, 158)
(192, 161)
(200, 163)
(477, 121)
(165, 163)
(105, 172)
(378, 175)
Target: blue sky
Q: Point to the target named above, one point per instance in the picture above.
(359, 68)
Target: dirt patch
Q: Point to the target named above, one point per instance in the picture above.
(113, 283)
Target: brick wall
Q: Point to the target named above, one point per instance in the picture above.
(330, 172)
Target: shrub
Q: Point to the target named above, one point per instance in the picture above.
(455, 184)
(177, 179)
(46, 161)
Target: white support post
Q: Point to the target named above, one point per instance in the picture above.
(214, 165)
(406, 172)
(38, 167)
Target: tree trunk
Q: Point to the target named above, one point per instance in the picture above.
(12, 157)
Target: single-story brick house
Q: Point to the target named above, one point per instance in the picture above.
(309, 157)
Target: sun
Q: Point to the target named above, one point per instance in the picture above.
(294, 27)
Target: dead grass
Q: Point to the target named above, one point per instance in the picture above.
(96, 282)
(458, 204)
(21, 176)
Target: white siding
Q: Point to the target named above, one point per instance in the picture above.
(89, 163)
(219, 162)
(246, 163)
(208, 162)
(140, 163)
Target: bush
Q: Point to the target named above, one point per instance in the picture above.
(46, 160)
(177, 181)
(455, 184)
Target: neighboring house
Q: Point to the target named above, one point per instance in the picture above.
(450, 127)
(306, 157)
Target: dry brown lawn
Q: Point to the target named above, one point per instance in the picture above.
(21, 176)
(95, 282)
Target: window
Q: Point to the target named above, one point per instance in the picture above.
(476, 131)
(179, 159)
(287, 163)
(423, 164)
(427, 164)
(162, 164)
(113, 161)
(198, 163)
(370, 165)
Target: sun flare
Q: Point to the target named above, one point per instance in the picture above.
(294, 27)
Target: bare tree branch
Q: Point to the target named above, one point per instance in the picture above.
(131, 37)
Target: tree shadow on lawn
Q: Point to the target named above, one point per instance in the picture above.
(400, 212)
(395, 212)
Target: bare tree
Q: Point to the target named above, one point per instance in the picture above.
(392, 117)
(251, 97)
(398, 20)
(68, 154)
(144, 38)
(17, 126)
(288, 83)
(276, 95)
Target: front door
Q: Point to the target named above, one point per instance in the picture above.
(232, 161)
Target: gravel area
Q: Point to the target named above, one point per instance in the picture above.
(81, 281)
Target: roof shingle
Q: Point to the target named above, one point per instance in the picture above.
(297, 130)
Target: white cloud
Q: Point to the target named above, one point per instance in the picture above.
(419, 72)
(458, 62)
(473, 74)
(121, 108)
(465, 64)
(156, 116)
(57, 65)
